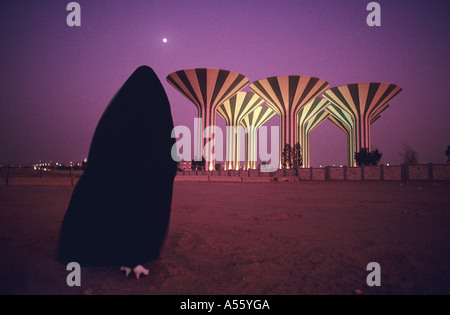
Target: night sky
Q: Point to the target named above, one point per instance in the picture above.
(57, 80)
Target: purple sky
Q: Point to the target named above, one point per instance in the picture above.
(56, 80)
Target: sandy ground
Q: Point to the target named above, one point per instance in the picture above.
(251, 238)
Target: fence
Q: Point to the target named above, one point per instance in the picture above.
(427, 172)
(28, 176)
(422, 172)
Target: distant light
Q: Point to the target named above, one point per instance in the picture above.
(387, 164)
(164, 40)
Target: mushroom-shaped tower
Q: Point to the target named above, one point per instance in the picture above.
(286, 95)
(233, 111)
(251, 123)
(344, 121)
(308, 126)
(304, 114)
(207, 88)
(364, 102)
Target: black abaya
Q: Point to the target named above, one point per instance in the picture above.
(120, 209)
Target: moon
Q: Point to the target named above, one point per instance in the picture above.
(164, 40)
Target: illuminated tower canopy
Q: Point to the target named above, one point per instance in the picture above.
(344, 121)
(286, 95)
(207, 88)
(364, 101)
(251, 124)
(233, 111)
(308, 126)
(308, 111)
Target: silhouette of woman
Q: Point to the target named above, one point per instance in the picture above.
(120, 209)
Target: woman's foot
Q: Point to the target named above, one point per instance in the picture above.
(126, 269)
(139, 269)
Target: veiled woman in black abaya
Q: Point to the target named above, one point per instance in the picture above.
(120, 208)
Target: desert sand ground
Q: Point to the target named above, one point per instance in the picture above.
(250, 238)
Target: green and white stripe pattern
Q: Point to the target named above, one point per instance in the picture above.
(233, 112)
(251, 124)
(344, 121)
(308, 126)
(364, 102)
(286, 95)
(307, 112)
(207, 88)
